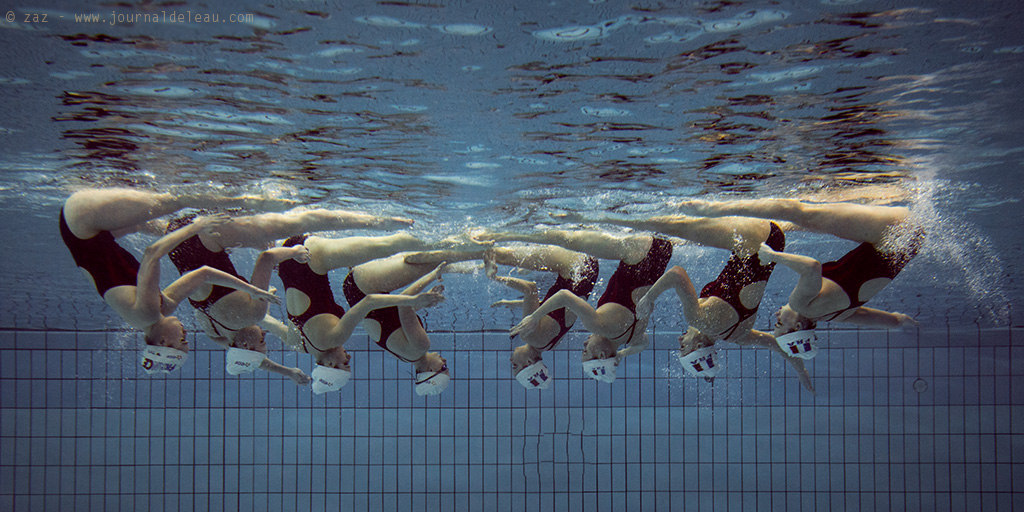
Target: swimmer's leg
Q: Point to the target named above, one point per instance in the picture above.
(124, 210)
(330, 253)
(260, 231)
(595, 243)
(742, 235)
(856, 222)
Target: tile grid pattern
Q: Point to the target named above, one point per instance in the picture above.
(900, 421)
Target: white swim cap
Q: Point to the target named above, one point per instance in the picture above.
(327, 379)
(535, 376)
(240, 360)
(162, 359)
(601, 369)
(702, 362)
(799, 344)
(431, 383)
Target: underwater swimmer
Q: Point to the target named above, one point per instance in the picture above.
(91, 220)
(577, 273)
(614, 323)
(835, 291)
(726, 308)
(231, 318)
(377, 268)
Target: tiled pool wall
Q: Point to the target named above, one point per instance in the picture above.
(928, 420)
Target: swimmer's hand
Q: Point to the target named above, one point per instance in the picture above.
(436, 273)
(525, 327)
(209, 224)
(299, 377)
(265, 295)
(430, 298)
(802, 373)
(299, 253)
(766, 254)
(645, 306)
(490, 267)
(906, 321)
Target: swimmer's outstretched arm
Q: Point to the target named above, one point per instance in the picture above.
(763, 339)
(348, 322)
(148, 306)
(674, 278)
(189, 282)
(870, 317)
(562, 299)
(295, 374)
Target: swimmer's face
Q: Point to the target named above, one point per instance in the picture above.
(434, 363)
(523, 357)
(597, 347)
(336, 358)
(787, 321)
(250, 338)
(692, 340)
(168, 332)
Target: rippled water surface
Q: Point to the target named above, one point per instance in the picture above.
(496, 113)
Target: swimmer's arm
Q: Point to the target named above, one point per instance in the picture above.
(568, 300)
(877, 318)
(190, 281)
(531, 301)
(636, 346)
(279, 329)
(270, 258)
(422, 283)
(677, 279)
(295, 374)
(348, 322)
(763, 339)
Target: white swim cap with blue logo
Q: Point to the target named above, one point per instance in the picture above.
(799, 344)
(601, 369)
(702, 362)
(535, 376)
(162, 359)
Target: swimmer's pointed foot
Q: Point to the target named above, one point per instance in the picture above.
(507, 304)
(568, 218)
(466, 242)
(696, 207)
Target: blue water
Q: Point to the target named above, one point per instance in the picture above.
(460, 114)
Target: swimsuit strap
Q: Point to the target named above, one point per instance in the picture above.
(836, 314)
(631, 330)
(214, 323)
(305, 339)
(731, 330)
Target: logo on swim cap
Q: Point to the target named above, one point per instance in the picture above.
(799, 344)
(601, 369)
(702, 362)
(534, 376)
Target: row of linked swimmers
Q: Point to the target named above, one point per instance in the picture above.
(391, 277)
